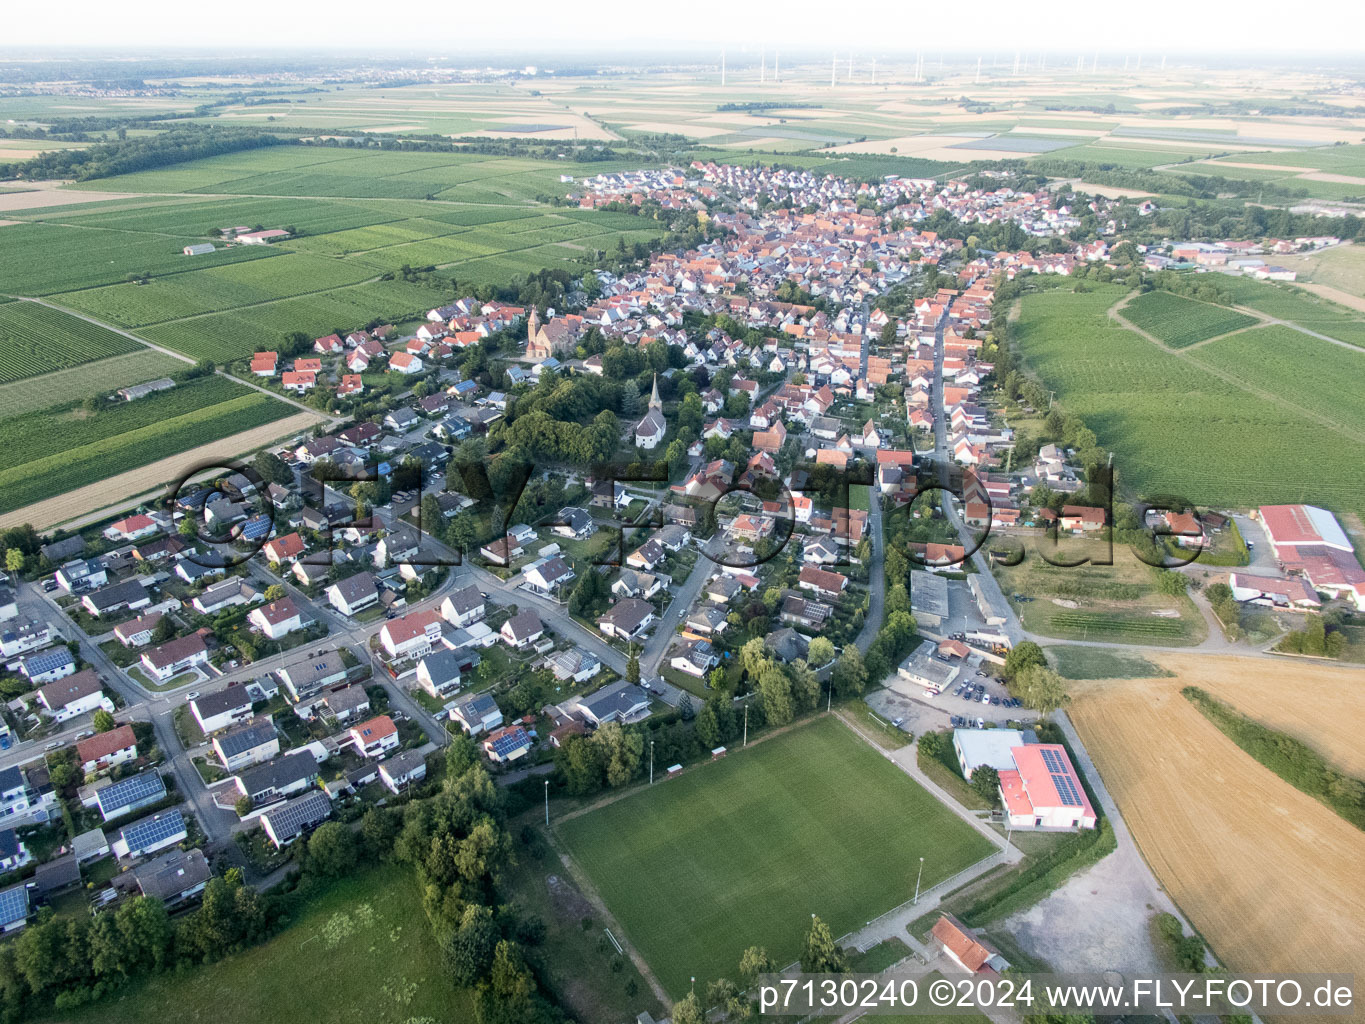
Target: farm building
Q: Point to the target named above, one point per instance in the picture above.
(1309, 542)
(199, 249)
(137, 391)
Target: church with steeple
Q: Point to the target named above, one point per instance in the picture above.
(649, 432)
(553, 338)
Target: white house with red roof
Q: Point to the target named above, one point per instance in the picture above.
(412, 635)
(277, 619)
(133, 528)
(405, 363)
(1309, 542)
(284, 549)
(376, 737)
(263, 364)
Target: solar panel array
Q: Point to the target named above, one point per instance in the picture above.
(143, 786)
(1061, 778)
(296, 815)
(508, 742)
(13, 904)
(151, 831)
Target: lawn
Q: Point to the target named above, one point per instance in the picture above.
(362, 951)
(742, 851)
(1179, 321)
(1099, 663)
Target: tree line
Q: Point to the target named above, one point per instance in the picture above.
(123, 156)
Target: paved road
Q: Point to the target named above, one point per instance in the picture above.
(665, 631)
(876, 585)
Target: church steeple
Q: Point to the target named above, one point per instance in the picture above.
(654, 401)
(533, 325)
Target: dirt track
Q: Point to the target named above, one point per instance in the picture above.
(120, 489)
(1270, 876)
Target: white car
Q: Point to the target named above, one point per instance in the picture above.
(985, 698)
(192, 695)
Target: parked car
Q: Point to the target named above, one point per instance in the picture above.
(896, 722)
(49, 586)
(192, 695)
(981, 723)
(985, 698)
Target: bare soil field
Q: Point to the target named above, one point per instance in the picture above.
(1269, 876)
(110, 493)
(45, 194)
(1324, 707)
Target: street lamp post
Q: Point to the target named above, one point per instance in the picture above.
(918, 877)
(651, 762)
(547, 802)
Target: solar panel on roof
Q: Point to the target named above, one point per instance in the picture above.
(1066, 790)
(299, 814)
(507, 743)
(131, 790)
(1053, 760)
(151, 831)
(13, 904)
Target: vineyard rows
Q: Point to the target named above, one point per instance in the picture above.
(35, 339)
(1179, 321)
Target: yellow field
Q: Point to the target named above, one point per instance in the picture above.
(1271, 877)
(1319, 704)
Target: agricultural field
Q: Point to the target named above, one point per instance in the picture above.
(365, 942)
(1179, 321)
(35, 339)
(74, 385)
(43, 259)
(1285, 302)
(1309, 372)
(690, 867)
(1340, 268)
(1268, 875)
(53, 451)
(1176, 426)
(1116, 603)
(327, 276)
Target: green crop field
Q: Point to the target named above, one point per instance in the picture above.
(74, 385)
(1313, 374)
(35, 339)
(363, 943)
(47, 453)
(1285, 302)
(43, 259)
(1179, 321)
(1177, 427)
(741, 852)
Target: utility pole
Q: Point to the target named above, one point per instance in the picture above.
(746, 724)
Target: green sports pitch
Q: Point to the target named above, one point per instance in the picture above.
(741, 852)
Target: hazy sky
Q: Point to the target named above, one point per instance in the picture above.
(1154, 27)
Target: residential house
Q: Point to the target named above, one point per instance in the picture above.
(825, 584)
(354, 594)
(139, 631)
(173, 877)
(295, 818)
(133, 793)
(167, 661)
(283, 549)
(277, 619)
(507, 744)
(476, 713)
(464, 606)
(376, 737)
(695, 657)
(616, 702)
(412, 635)
(48, 666)
(523, 629)
(402, 770)
(274, 780)
(73, 695)
(440, 673)
(221, 709)
(104, 750)
(166, 828)
(575, 664)
(574, 524)
(310, 674)
(548, 574)
(253, 742)
(130, 594)
(627, 619)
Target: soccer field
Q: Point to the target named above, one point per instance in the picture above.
(741, 852)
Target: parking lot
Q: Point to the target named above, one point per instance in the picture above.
(961, 705)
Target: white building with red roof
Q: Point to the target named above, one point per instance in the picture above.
(1043, 789)
(132, 528)
(1309, 542)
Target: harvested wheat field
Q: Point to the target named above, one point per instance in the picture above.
(1271, 877)
(1319, 704)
